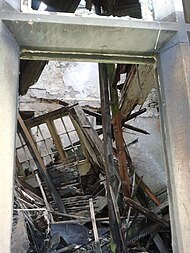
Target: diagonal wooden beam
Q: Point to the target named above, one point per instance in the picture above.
(40, 163)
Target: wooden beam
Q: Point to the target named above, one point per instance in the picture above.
(88, 136)
(56, 138)
(114, 77)
(40, 163)
(139, 82)
(136, 129)
(133, 115)
(108, 156)
(42, 118)
(146, 212)
(95, 230)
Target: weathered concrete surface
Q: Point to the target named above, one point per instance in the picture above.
(9, 69)
(147, 153)
(70, 81)
(175, 110)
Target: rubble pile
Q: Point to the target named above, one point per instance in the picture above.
(88, 197)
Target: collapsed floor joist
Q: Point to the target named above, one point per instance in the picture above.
(75, 183)
(71, 191)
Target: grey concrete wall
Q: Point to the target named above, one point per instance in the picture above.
(9, 69)
(147, 154)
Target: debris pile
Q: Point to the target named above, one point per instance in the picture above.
(80, 193)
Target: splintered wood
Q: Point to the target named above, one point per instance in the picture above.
(40, 164)
(88, 136)
(90, 185)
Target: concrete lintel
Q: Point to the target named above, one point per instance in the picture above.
(86, 20)
(66, 33)
(86, 57)
(174, 76)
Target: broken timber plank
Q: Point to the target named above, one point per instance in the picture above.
(118, 218)
(139, 82)
(95, 230)
(40, 164)
(109, 163)
(114, 77)
(56, 138)
(136, 129)
(149, 214)
(88, 136)
(42, 118)
(43, 194)
(133, 115)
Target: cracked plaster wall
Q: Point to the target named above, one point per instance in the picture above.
(69, 81)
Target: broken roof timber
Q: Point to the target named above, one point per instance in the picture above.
(102, 39)
(136, 88)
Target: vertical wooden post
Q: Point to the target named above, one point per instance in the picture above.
(114, 77)
(108, 155)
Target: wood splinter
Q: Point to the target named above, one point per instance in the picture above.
(149, 214)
